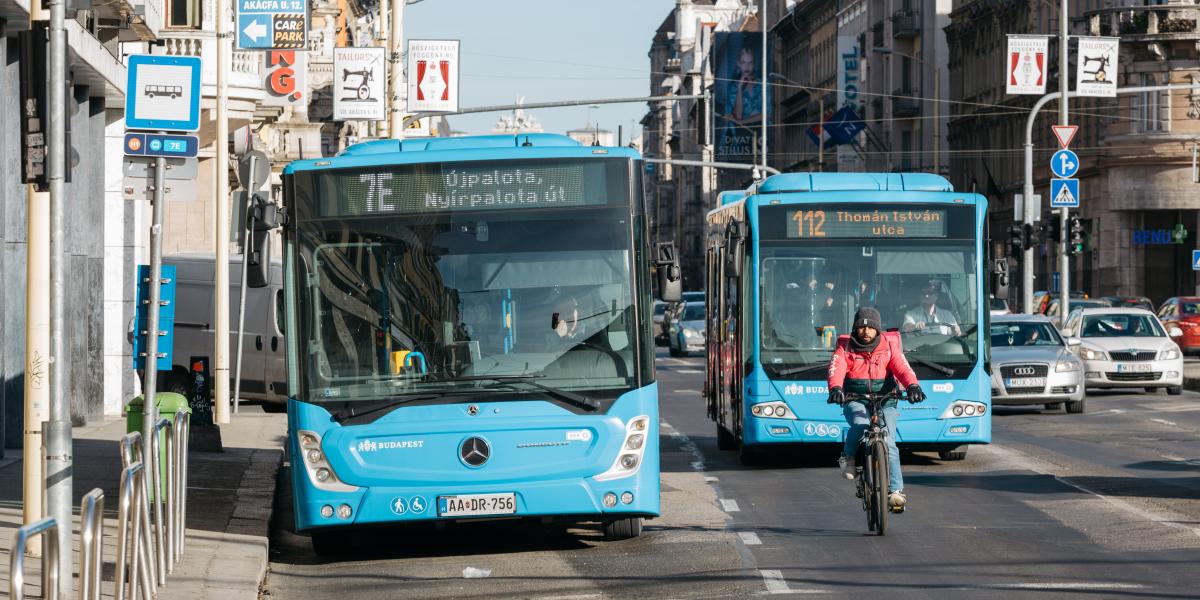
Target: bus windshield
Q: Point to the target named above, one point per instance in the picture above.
(448, 301)
(924, 289)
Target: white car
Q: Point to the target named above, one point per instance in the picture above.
(1126, 348)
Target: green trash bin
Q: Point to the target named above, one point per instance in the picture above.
(168, 403)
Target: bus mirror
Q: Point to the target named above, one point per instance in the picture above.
(1000, 278)
(733, 260)
(256, 261)
(670, 284)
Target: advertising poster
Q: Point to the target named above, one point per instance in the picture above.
(1096, 68)
(359, 75)
(738, 95)
(1026, 64)
(432, 76)
(286, 78)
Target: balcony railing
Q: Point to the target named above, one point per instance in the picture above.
(247, 74)
(906, 23)
(905, 103)
(1173, 20)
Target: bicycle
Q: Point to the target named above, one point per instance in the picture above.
(872, 461)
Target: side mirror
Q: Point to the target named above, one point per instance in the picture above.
(735, 248)
(1174, 331)
(1074, 342)
(670, 281)
(264, 216)
(1000, 278)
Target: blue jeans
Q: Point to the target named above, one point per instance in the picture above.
(857, 417)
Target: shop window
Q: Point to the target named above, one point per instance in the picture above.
(183, 14)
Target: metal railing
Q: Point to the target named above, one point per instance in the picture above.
(162, 521)
(182, 429)
(50, 557)
(91, 544)
(133, 560)
(133, 451)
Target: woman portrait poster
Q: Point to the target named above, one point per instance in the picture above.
(739, 95)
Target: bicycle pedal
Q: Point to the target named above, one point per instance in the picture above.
(897, 509)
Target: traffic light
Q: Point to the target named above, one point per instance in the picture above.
(1053, 229)
(1016, 239)
(1076, 235)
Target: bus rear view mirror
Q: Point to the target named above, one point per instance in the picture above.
(734, 249)
(670, 283)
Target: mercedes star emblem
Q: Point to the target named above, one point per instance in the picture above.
(474, 451)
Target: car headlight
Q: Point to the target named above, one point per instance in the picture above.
(1169, 354)
(691, 333)
(1090, 354)
(1066, 366)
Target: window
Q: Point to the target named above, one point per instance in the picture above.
(1152, 110)
(183, 13)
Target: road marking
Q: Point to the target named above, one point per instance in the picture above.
(687, 391)
(710, 479)
(1165, 422)
(1059, 585)
(689, 371)
(676, 361)
(749, 538)
(729, 505)
(1195, 462)
(774, 581)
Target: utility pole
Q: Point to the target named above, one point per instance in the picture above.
(57, 431)
(221, 202)
(765, 70)
(384, 38)
(37, 341)
(396, 81)
(1064, 259)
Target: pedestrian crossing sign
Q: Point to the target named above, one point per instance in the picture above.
(1064, 193)
(1196, 260)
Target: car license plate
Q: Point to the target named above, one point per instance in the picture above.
(1025, 382)
(477, 504)
(1135, 368)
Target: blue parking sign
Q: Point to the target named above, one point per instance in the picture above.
(272, 24)
(1196, 260)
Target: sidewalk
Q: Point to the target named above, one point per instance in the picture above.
(1191, 376)
(230, 496)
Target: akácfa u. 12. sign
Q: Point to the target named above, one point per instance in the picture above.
(272, 24)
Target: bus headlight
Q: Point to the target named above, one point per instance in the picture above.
(320, 473)
(629, 460)
(778, 410)
(964, 408)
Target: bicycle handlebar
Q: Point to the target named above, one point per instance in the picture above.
(878, 398)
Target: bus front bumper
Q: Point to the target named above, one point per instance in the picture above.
(961, 430)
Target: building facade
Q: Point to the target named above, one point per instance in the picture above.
(1136, 149)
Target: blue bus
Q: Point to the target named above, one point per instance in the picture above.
(469, 335)
(788, 262)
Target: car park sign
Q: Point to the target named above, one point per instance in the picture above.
(272, 24)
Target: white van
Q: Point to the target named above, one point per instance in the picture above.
(264, 376)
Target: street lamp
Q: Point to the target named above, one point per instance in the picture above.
(820, 118)
(937, 101)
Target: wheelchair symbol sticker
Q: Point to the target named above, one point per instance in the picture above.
(822, 430)
(417, 505)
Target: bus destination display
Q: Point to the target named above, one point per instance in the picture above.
(809, 223)
(453, 187)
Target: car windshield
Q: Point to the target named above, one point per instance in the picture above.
(1121, 325)
(692, 312)
(693, 297)
(1189, 308)
(1011, 334)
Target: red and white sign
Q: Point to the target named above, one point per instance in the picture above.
(286, 78)
(1065, 133)
(1026, 66)
(432, 76)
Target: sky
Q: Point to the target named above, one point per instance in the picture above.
(546, 50)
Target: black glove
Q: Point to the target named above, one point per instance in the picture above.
(915, 395)
(836, 396)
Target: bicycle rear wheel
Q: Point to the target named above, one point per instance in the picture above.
(879, 503)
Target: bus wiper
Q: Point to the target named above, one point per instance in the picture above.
(804, 369)
(943, 369)
(569, 397)
(349, 412)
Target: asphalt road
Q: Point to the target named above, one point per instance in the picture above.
(1105, 504)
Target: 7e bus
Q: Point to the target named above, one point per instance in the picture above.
(790, 259)
(469, 335)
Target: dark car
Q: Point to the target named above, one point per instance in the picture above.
(1131, 302)
(1053, 308)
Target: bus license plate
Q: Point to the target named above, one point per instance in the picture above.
(476, 505)
(1135, 368)
(1025, 382)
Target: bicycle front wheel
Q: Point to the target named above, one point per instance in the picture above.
(879, 504)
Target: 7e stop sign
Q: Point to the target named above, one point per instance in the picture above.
(286, 78)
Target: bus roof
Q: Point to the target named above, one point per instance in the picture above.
(483, 147)
(837, 182)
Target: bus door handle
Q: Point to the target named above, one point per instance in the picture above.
(274, 344)
(258, 342)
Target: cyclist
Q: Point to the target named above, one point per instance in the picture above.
(866, 362)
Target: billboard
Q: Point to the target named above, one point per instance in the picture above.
(1096, 67)
(359, 75)
(285, 78)
(1026, 64)
(433, 76)
(738, 95)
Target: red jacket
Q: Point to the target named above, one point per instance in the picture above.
(886, 359)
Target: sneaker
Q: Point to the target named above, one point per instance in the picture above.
(847, 466)
(896, 501)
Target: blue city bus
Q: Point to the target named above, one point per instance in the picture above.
(790, 259)
(469, 335)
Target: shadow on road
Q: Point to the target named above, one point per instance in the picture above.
(1181, 488)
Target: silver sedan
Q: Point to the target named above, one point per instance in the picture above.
(1033, 364)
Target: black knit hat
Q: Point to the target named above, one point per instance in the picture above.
(868, 317)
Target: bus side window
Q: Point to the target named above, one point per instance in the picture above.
(280, 323)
